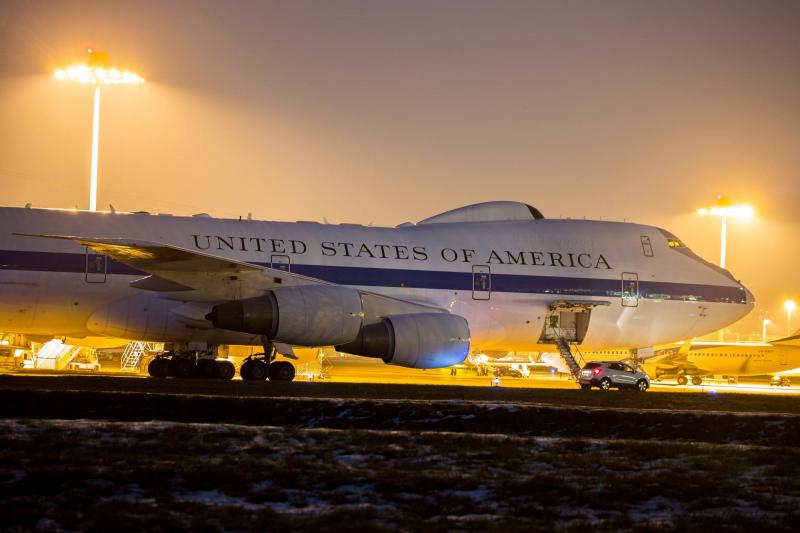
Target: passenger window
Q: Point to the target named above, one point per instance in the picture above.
(647, 248)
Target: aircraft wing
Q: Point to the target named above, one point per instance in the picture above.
(202, 277)
(676, 357)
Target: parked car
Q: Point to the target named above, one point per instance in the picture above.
(608, 374)
(507, 371)
(780, 381)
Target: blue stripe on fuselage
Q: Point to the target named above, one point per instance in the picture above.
(417, 279)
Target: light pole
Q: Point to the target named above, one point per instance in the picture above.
(766, 322)
(725, 209)
(789, 305)
(96, 71)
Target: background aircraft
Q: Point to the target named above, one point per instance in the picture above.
(705, 359)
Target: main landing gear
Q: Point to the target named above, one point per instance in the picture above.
(185, 363)
(683, 380)
(259, 367)
(190, 366)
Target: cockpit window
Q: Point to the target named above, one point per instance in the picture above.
(676, 244)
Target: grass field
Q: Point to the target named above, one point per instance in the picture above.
(135, 454)
(83, 475)
(694, 401)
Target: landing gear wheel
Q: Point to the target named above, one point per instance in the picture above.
(682, 380)
(208, 369)
(586, 387)
(642, 385)
(697, 380)
(158, 367)
(244, 370)
(281, 371)
(180, 367)
(253, 370)
(225, 370)
(605, 384)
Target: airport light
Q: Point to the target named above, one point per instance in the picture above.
(96, 71)
(789, 305)
(766, 322)
(725, 209)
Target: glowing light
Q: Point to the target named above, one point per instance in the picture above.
(741, 212)
(96, 71)
(83, 73)
(789, 305)
(725, 209)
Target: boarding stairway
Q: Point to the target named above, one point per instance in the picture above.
(133, 353)
(574, 361)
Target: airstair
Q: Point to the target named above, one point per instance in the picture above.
(574, 361)
(133, 353)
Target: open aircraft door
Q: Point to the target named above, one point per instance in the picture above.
(568, 320)
(630, 289)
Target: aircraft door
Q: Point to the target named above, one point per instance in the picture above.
(481, 282)
(630, 289)
(783, 356)
(281, 262)
(96, 267)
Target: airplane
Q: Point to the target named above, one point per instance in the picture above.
(694, 361)
(488, 276)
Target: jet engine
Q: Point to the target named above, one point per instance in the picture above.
(424, 340)
(307, 315)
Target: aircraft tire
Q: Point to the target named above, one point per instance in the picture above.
(244, 370)
(281, 371)
(697, 380)
(642, 385)
(682, 380)
(225, 370)
(158, 367)
(208, 369)
(254, 371)
(605, 384)
(180, 367)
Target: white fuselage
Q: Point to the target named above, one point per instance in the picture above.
(501, 276)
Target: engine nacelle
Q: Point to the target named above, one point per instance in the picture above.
(424, 340)
(308, 315)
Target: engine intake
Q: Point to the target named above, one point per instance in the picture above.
(424, 340)
(308, 315)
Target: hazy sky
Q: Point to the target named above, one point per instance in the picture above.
(384, 112)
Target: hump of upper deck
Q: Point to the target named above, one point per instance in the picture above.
(487, 212)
